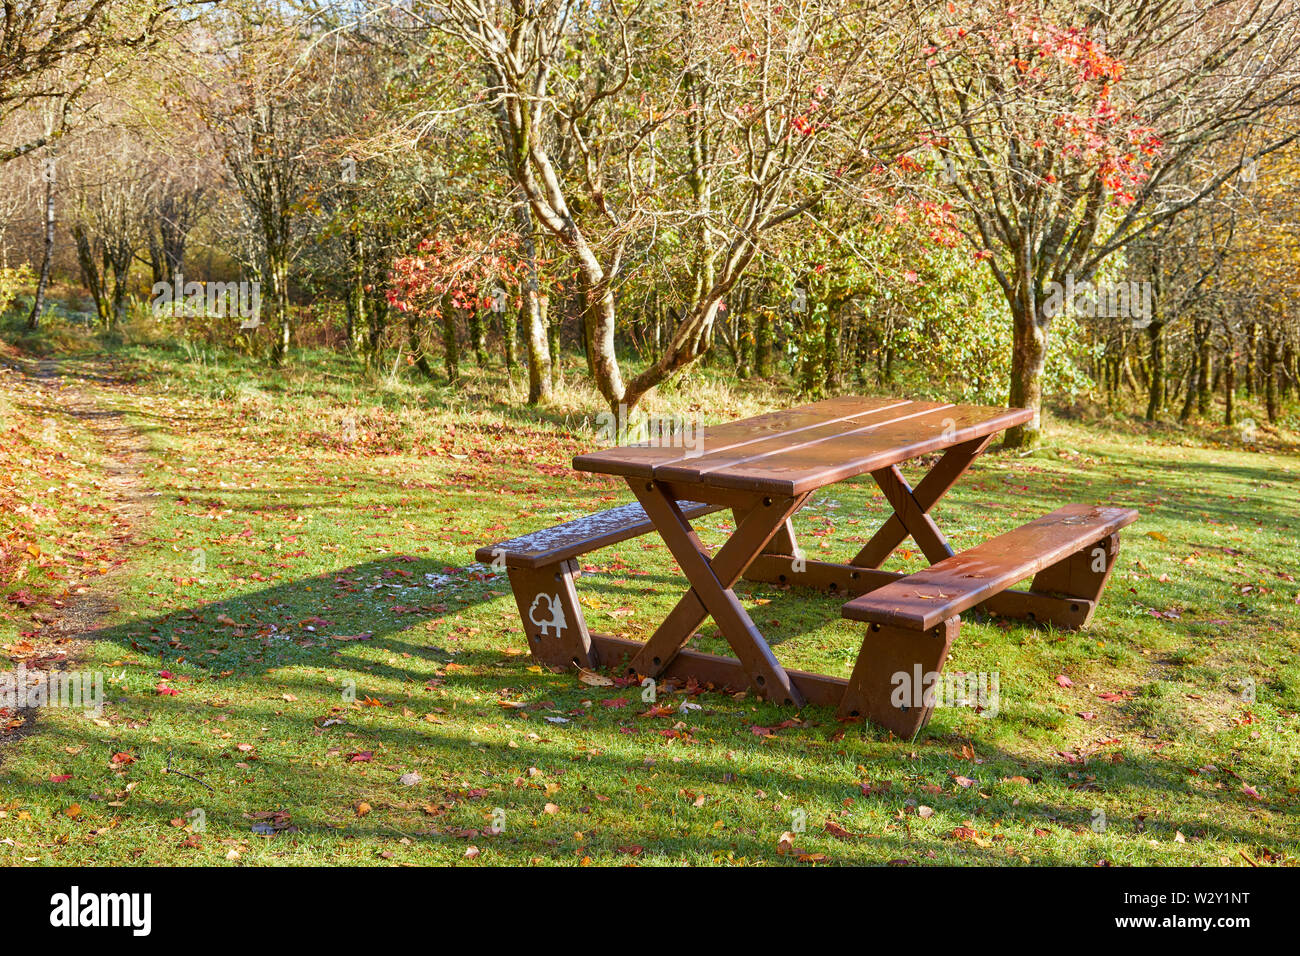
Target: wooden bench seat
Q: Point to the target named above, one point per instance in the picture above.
(915, 619)
(580, 536)
(923, 600)
(542, 570)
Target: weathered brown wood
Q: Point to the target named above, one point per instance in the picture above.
(642, 460)
(722, 497)
(700, 469)
(1083, 575)
(711, 594)
(851, 581)
(783, 542)
(802, 467)
(582, 535)
(553, 621)
(922, 600)
(889, 677)
(912, 515)
(825, 576)
(946, 472)
(722, 672)
(764, 469)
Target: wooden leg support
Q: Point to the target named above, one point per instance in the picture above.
(548, 604)
(1065, 594)
(711, 593)
(1081, 577)
(895, 677)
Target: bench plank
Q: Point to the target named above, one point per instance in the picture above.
(580, 536)
(922, 600)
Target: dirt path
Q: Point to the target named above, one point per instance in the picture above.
(85, 396)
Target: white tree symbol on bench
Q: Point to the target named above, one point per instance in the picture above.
(555, 611)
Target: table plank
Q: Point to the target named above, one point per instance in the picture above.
(642, 459)
(700, 470)
(809, 466)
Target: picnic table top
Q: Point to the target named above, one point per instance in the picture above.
(801, 449)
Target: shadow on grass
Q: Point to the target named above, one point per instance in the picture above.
(299, 623)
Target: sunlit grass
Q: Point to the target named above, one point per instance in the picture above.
(326, 505)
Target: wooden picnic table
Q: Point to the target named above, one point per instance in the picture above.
(764, 469)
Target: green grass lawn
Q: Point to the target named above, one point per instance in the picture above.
(301, 636)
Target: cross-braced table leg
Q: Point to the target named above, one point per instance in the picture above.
(912, 506)
(911, 516)
(711, 592)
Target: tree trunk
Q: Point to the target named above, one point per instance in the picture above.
(1252, 351)
(745, 335)
(539, 350)
(416, 346)
(831, 348)
(601, 352)
(1156, 381)
(450, 347)
(510, 332)
(356, 297)
(552, 321)
(47, 255)
(1288, 370)
(377, 313)
(1270, 374)
(1189, 400)
(476, 337)
(1229, 389)
(1028, 360)
(1206, 379)
(277, 268)
(763, 344)
(90, 274)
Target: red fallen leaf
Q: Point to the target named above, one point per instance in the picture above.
(758, 731)
(166, 675)
(1064, 681)
(614, 703)
(837, 831)
(632, 849)
(476, 794)
(168, 691)
(659, 710)
(363, 756)
(60, 777)
(123, 758)
(23, 598)
(1112, 697)
(1087, 715)
(967, 833)
(1250, 792)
